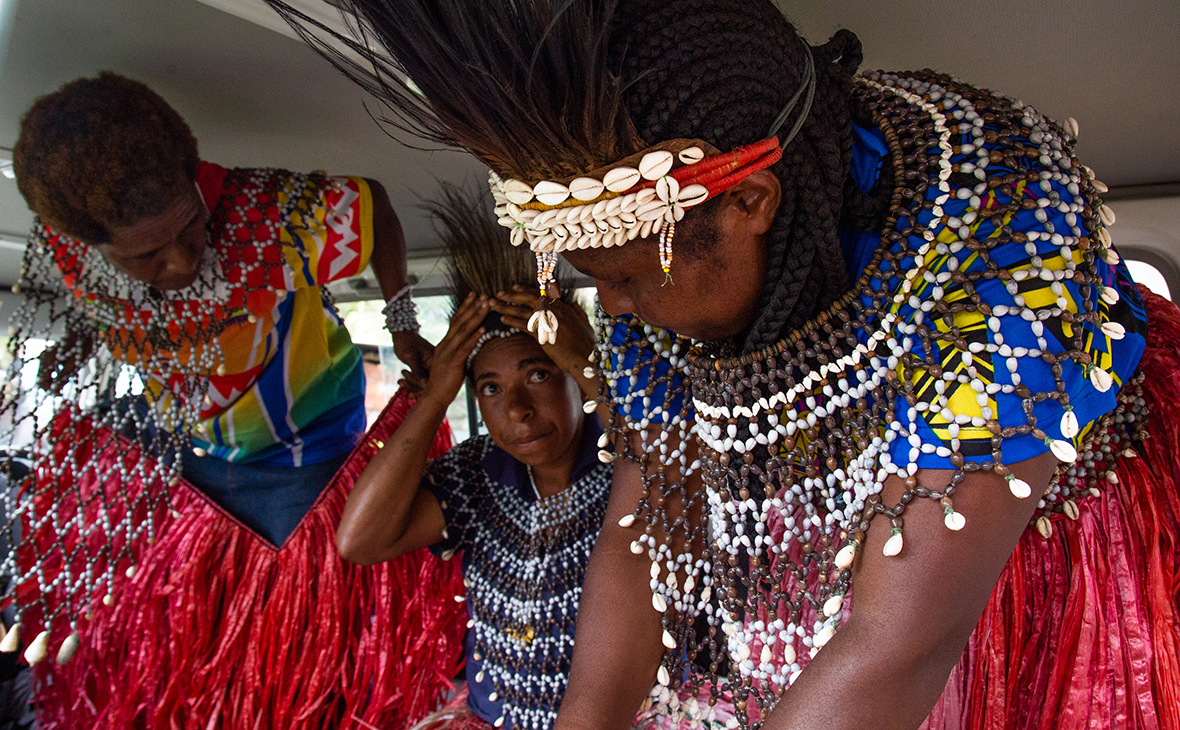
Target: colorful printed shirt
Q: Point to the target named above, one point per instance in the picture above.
(290, 388)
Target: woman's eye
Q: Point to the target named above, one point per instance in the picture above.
(488, 389)
(538, 376)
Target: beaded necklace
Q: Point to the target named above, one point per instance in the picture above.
(526, 558)
(796, 440)
(144, 360)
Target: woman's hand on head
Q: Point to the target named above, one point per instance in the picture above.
(448, 365)
(575, 334)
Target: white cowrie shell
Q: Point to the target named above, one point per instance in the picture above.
(628, 219)
(655, 165)
(691, 155)
(534, 321)
(586, 214)
(601, 226)
(586, 188)
(620, 179)
(1110, 295)
(551, 193)
(954, 521)
(692, 195)
(560, 231)
(614, 206)
(544, 220)
(1069, 424)
(1063, 450)
(599, 208)
(518, 192)
(1101, 380)
(893, 545)
(667, 189)
(1100, 187)
(646, 228)
(575, 229)
(1114, 330)
(845, 556)
(1019, 488)
(652, 211)
(517, 236)
(506, 221)
(1071, 126)
(1045, 527)
(645, 196)
(630, 203)
(1106, 214)
(1104, 237)
(614, 223)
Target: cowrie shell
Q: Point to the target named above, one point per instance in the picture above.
(620, 179)
(667, 189)
(1069, 424)
(1064, 451)
(586, 188)
(1101, 379)
(613, 206)
(518, 192)
(1019, 488)
(691, 155)
(651, 211)
(1114, 330)
(551, 193)
(1071, 126)
(692, 195)
(1106, 214)
(645, 196)
(655, 165)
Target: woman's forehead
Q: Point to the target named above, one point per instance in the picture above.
(505, 355)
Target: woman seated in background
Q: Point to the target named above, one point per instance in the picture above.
(523, 503)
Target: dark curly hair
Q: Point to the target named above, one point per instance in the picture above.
(102, 151)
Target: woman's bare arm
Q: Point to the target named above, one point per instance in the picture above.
(913, 613)
(387, 513)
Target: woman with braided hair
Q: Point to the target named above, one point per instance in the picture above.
(910, 457)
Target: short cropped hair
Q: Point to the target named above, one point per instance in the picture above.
(102, 151)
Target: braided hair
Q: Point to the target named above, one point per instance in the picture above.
(540, 88)
(721, 71)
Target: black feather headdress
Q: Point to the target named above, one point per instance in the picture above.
(479, 257)
(524, 85)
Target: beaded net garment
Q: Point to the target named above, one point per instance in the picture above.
(992, 324)
(121, 394)
(179, 614)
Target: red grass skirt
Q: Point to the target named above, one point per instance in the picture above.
(219, 629)
(1083, 629)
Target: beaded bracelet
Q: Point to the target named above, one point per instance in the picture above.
(401, 314)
